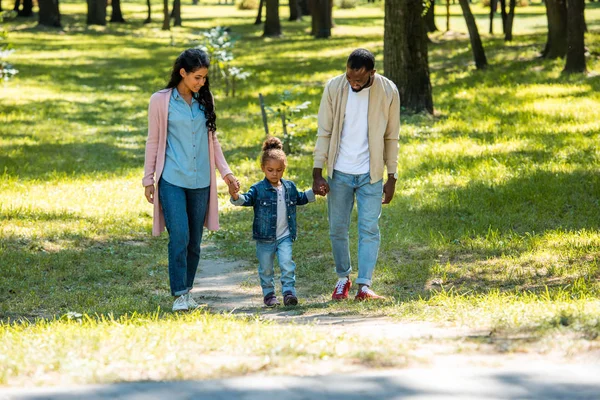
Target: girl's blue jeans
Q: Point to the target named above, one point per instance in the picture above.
(265, 252)
(184, 210)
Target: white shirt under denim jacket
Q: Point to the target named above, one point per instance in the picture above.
(263, 197)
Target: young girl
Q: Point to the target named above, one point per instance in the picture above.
(274, 200)
(182, 152)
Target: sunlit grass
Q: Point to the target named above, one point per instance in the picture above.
(494, 223)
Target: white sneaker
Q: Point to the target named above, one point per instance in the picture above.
(181, 303)
(192, 305)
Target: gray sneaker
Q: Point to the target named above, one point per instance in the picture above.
(181, 303)
(192, 305)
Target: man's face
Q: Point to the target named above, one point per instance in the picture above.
(359, 78)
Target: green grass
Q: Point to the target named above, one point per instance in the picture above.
(494, 221)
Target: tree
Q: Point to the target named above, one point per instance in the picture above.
(295, 10)
(447, 15)
(430, 17)
(556, 44)
(149, 18)
(478, 52)
(49, 14)
(176, 13)
(321, 18)
(508, 25)
(26, 11)
(272, 26)
(493, 7)
(258, 20)
(96, 12)
(116, 14)
(166, 22)
(405, 53)
(575, 37)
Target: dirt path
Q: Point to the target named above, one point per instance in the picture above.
(232, 287)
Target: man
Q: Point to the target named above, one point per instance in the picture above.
(359, 123)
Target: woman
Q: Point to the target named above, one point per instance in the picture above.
(182, 152)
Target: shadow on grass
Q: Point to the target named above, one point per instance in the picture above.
(47, 278)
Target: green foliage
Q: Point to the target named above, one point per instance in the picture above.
(494, 223)
(7, 71)
(284, 111)
(218, 43)
(346, 4)
(247, 4)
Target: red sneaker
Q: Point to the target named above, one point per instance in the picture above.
(342, 287)
(365, 293)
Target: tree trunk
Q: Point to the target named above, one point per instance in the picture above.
(49, 14)
(478, 53)
(556, 44)
(321, 14)
(575, 37)
(504, 15)
(258, 20)
(96, 12)
(304, 7)
(166, 20)
(149, 18)
(177, 12)
(272, 23)
(295, 11)
(447, 15)
(26, 11)
(493, 7)
(509, 21)
(405, 59)
(430, 17)
(116, 14)
(313, 19)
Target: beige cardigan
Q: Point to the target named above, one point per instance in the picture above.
(384, 125)
(156, 146)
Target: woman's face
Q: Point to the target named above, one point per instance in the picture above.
(194, 80)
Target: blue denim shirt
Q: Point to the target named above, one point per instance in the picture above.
(187, 162)
(263, 197)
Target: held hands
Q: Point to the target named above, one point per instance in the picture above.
(233, 184)
(320, 185)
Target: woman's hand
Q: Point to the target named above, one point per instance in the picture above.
(149, 192)
(232, 182)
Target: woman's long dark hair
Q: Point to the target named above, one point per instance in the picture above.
(192, 60)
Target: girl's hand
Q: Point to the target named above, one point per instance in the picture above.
(232, 182)
(149, 193)
(233, 191)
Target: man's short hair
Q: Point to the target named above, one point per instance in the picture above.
(361, 58)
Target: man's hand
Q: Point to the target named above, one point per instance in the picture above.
(320, 185)
(388, 190)
(149, 193)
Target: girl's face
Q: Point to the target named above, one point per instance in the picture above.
(273, 170)
(194, 80)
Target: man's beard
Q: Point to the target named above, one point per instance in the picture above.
(363, 86)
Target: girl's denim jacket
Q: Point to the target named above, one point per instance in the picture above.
(263, 197)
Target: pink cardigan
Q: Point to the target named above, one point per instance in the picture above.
(156, 147)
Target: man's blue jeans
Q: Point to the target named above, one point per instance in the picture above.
(184, 210)
(265, 252)
(340, 201)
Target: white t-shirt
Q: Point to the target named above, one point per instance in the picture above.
(283, 228)
(353, 157)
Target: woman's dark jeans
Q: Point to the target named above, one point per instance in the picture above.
(185, 211)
